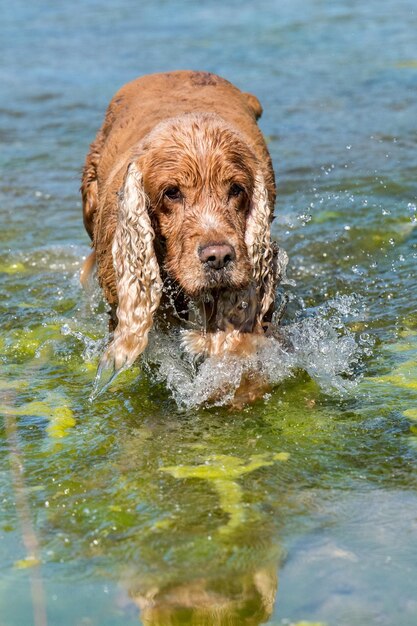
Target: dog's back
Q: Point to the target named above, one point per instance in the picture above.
(143, 103)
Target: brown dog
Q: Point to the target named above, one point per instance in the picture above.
(178, 193)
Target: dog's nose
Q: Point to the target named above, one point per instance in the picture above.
(217, 256)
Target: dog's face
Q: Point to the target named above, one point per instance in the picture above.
(199, 178)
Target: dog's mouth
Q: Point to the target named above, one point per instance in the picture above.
(223, 278)
(207, 281)
(215, 283)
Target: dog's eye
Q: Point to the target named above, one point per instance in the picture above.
(173, 193)
(235, 190)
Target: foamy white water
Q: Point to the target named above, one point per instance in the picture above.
(319, 342)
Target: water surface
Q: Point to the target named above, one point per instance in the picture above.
(141, 507)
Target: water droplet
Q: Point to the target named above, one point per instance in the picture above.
(304, 218)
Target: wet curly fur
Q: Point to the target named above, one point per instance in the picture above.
(180, 166)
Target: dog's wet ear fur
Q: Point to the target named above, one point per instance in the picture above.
(138, 281)
(260, 248)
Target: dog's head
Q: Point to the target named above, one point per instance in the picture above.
(195, 183)
(199, 176)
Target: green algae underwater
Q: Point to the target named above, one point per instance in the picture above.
(143, 506)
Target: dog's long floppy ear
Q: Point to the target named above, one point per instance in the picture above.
(260, 248)
(138, 280)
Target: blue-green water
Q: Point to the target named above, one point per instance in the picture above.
(133, 509)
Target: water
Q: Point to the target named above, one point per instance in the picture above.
(143, 506)
(317, 342)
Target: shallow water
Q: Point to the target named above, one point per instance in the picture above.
(141, 507)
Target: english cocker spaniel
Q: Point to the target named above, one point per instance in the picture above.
(178, 192)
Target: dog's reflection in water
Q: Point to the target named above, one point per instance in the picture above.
(242, 600)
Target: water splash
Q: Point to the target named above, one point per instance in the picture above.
(318, 342)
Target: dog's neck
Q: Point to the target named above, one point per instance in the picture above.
(220, 309)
